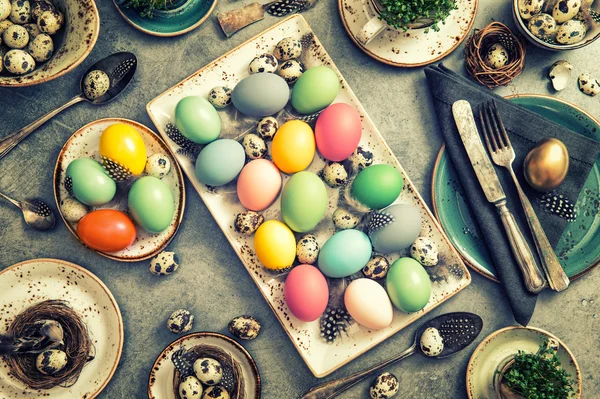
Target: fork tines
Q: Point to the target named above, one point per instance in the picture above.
(494, 131)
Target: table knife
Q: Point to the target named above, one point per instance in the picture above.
(490, 183)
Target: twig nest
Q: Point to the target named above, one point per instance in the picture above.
(494, 55)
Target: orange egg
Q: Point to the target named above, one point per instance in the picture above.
(258, 184)
(106, 230)
(293, 147)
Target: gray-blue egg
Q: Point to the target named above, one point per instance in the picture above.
(394, 228)
(261, 94)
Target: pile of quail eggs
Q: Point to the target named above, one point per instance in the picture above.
(562, 24)
(204, 382)
(26, 29)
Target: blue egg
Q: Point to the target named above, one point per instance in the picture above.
(220, 162)
(345, 253)
(261, 94)
(394, 228)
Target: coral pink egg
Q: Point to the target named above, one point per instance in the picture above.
(106, 230)
(258, 184)
(306, 292)
(338, 131)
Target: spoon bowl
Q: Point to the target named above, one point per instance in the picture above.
(35, 212)
(120, 68)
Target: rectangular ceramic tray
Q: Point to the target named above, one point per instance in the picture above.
(448, 277)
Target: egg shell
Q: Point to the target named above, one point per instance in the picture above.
(275, 245)
(368, 304)
(306, 292)
(208, 370)
(122, 144)
(197, 119)
(344, 253)
(431, 342)
(220, 162)
(303, 201)
(190, 388)
(377, 186)
(89, 182)
(5, 9)
(565, 10)
(106, 230)
(338, 131)
(315, 90)
(151, 204)
(571, 32)
(408, 285)
(260, 94)
(258, 184)
(293, 147)
(394, 228)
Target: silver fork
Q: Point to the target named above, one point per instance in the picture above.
(503, 154)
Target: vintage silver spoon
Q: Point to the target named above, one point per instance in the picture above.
(120, 68)
(35, 212)
(458, 330)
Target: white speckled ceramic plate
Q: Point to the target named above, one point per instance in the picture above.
(84, 144)
(33, 281)
(414, 47)
(449, 276)
(499, 347)
(160, 382)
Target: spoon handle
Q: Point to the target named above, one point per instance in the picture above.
(331, 389)
(12, 201)
(11, 141)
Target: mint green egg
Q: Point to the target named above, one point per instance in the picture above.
(408, 285)
(197, 119)
(151, 204)
(377, 186)
(303, 201)
(315, 90)
(87, 180)
(345, 253)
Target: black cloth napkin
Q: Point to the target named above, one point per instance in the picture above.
(525, 129)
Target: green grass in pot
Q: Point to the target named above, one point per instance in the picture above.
(146, 8)
(400, 14)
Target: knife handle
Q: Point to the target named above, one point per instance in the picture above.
(534, 280)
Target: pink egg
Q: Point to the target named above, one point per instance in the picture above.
(258, 184)
(338, 131)
(369, 304)
(306, 292)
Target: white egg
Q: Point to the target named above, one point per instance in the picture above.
(50, 21)
(254, 146)
(208, 370)
(164, 263)
(158, 165)
(51, 361)
(18, 62)
(217, 392)
(307, 249)
(220, 96)
(5, 9)
(41, 47)
(15, 36)
(529, 8)
(424, 251)
(267, 127)
(369, 304)
(497, 56)
(291, 70)
(571, 32)
(264, 63)
(589, 85)
(20, 11)
(385, 386)
(180, 321)
(73, 210)
(287, 49)
(190, 388)
(343, 219)
(565, 10)
(543, 26)
(431, 342)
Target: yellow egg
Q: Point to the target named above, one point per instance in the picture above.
(293, 146)
(122, 150)
(275, 245)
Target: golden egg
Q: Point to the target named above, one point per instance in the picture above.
(546, 165)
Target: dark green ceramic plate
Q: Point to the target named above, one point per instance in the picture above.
(579, 246)
(187, 15)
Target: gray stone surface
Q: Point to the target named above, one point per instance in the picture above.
(212, 282)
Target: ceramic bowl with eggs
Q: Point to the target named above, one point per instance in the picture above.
(41, 40)
(558, 25)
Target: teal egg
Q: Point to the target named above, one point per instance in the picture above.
(303, 201)
(377, 186)
(87, 180)
(394, 228)
(345, 253)
(197, 119)
(408, 285)
(151, 204)
(220, 162)
(261, 94)
(315, 90)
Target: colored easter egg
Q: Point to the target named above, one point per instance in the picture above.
(151, 204)
(261, 94)
(220, 162)
(106, 230)
(394, 228)
(258, 184)
(338, 131)
(315, 90)
(345, 253)
(197, 119)
(306, 292)
(408, 285)
(368, 303)
(293, 147)
(275, 245)
(303, 201)
(377, 186)
(87, 180)
(122, 145)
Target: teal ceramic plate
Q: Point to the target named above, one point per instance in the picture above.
(579, 246)
(184, 16)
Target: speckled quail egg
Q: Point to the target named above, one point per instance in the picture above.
(263, 63)
(497, 56)
(39, 6)
(543, 26)
(588, 85)
(33, 30)
(431, 342)
(553, 344)
(190, 388)
(5, 9)
(287, 49)
(307, 249)
(220, 97)
(96, 84)
(4, 25)
(20, 11)
(244, 327)
(360, 159)
(254, 146)
(291, 70)
(41, 47)
(335, 174)
(164, 263)
(529, 8)
(424, 251)
(267, 127)
(208, 370)
(50, 22)
(158, 165)
(565, 10)
(343, 219)
(247, 222)
(180, 321)
(51, 361)
(18, 62)
(216, 392)
(376, 268)
(73, 210)
(571, 32)
(385, 386)
(15, 36)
